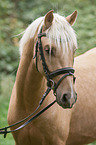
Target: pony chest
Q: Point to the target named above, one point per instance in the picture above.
(35, 135)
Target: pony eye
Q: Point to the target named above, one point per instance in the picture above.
(47, 49)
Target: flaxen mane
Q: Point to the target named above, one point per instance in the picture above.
(61, 32)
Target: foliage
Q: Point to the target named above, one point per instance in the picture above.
(6, 84)
(15, 16)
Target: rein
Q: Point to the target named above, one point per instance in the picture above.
(68, 71)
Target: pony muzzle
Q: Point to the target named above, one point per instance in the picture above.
(66, 100)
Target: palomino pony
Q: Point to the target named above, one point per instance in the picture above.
(58, 45)
(83, 121)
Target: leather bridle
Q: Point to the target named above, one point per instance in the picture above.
(68, 71)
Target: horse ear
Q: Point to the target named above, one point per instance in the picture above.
(72, 18)
(48, 19)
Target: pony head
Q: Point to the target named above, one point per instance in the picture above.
(59, 47)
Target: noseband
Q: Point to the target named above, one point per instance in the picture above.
(68, 71)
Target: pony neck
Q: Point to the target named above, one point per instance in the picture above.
(30, 84)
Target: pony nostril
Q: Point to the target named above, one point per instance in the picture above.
(67, 101)
(64, 98)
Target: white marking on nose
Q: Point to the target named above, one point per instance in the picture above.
(72, 94)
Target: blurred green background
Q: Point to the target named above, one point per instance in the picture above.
(15, 16)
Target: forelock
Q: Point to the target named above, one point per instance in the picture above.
(62, 34)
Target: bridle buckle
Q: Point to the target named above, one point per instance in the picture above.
(51, 84)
